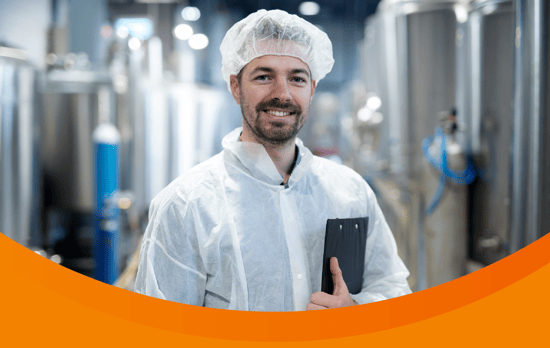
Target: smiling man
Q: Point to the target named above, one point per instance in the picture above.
(245, 229)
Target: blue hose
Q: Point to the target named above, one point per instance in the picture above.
(463, 177)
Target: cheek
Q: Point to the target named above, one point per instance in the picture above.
(303, 97)
(305, 103)
(253, 97)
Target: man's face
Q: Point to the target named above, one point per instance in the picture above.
(274, 93)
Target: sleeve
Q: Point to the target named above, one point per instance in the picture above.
(385, 274)
(170, 263)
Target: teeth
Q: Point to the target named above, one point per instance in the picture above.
(278, 113)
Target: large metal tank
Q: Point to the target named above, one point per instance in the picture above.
(531, 148)
(19, 161)
(485, 47)
(418, 52)
(74, 102)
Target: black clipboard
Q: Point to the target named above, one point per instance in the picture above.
(345, 239)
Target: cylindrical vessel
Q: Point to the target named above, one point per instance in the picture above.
(107, 227)
(19, 148)
(485, 99)
(531, 148)
(71, 104)
(417, 48)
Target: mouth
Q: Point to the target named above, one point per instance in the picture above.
(278, 113)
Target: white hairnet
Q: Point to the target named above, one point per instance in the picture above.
(275, 33)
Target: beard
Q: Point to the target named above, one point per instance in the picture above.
(272, 131)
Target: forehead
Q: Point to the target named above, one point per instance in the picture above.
(276, 63)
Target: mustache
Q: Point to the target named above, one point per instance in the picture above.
(276, 104)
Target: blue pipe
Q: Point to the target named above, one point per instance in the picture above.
(463, 177)
(107, 226)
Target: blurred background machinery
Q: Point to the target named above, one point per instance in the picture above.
(19, 148)
(441, 105)
(476, 70)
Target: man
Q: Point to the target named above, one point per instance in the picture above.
(245, 229)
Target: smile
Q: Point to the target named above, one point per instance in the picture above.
(278, 113)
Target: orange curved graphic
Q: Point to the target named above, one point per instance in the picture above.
(491, 305)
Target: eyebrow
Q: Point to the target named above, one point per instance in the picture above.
(262, 68)
(300, 71)
(271, 70)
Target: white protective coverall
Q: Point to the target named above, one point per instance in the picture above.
(227, 234)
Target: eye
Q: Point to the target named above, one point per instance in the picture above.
(298, 79)
(261, 78)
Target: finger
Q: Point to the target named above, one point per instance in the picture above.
(325, 300)
(337, 278)
(314, 307)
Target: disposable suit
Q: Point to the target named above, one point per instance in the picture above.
(227, 234)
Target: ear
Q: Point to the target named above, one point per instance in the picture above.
(235, 90)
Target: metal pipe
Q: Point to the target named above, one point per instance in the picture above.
(545, 118)
(393, 86)
(535, 120)
(422, 281)
(519, 158)
(475, 54)
(530, 184)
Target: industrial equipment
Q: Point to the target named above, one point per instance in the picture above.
(415, 45)
(484, 96)
(19, 149)
(73, 103)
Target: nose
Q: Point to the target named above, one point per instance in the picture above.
(281, 90)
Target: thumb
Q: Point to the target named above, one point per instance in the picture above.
(337, 278)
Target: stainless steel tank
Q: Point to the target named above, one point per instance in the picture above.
(485, 48)
(531, 151)
(73, 104)
(19, 140)
(417, 55)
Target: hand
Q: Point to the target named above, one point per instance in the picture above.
(340, 296)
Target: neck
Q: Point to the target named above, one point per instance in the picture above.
(282, 155)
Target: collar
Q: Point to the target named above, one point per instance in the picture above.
(255, 159)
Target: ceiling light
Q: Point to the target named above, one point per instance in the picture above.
(183, 31)
(122, 32)
(198, 41)
(190, 13)
(134, 43)
(142, 28)
(309, 8)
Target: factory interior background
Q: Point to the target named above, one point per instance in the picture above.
(441, 106)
